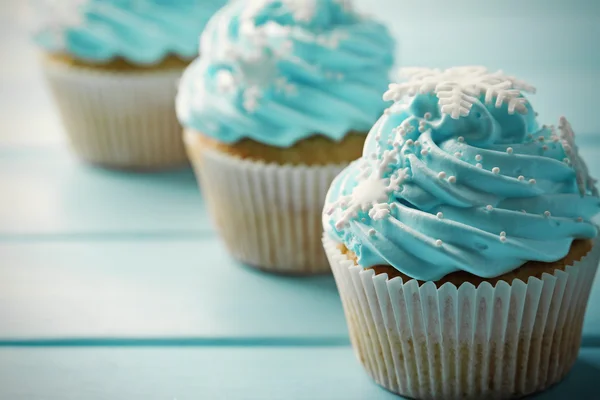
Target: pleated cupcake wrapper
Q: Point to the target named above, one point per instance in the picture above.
(487, 342)
(268, 215)
(119, 119)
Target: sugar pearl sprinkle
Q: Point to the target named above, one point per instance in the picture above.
(457, 154)
(489, 207)
(547, 213)
(442, 175)
(478, 165)
(461, 139)
(532, 181)
(502, 233)
(427, 116)
(417, 143)
(478, 157)
(509, 150)
(440, 215)
(503, 239)
(409, 142)
(438, 243)
(452, 179)
(496, 170)
(424, 152)
(372, 232)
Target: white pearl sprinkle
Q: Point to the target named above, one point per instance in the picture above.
(478, 157)
(440, 215)
(489, 207)
(372, 232)
(496, 170)
(541, 138)
(427, 115)
(547, 213)
(502, 233)
(461, 139)
(438, 243)
(442, 175)
(521, 178)
(417, 143)
(452, 179)
(532, 181)
(478, 165)
(387, 111)
(457, 154)
(410, 129)
(409, 142)
(393, 206)
(422, 128)
(503, 239)
(509, 150)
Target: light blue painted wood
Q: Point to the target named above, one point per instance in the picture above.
(162, 288)
(166, 288)
(45, 191)
(217, 373)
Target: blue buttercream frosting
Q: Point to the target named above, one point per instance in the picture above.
(140, 31)
(457, 175)
(280, 71)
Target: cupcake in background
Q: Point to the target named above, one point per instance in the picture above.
(462, 243)
(279, 102)
(113, 66)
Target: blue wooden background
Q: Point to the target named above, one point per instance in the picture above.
(114, 285)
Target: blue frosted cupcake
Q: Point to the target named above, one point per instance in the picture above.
(279, 102)
(461, 241)
(112, 66)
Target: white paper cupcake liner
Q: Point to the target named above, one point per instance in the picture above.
(119, 119)
(487, 342)
(268, 215)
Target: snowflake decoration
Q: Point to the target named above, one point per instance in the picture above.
(458, 88)
(301, 10)
(583, 178)
(54, 16)
(371, 194)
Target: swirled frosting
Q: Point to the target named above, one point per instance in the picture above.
(278, 71)
(140, 31)
(459, 176)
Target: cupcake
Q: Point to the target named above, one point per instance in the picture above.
(113, 68)
(461, 242)
(279, 103)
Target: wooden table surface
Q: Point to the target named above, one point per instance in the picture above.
(114, 285)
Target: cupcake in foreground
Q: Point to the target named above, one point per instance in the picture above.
(278, 104)
(113, 68)
(461, 242)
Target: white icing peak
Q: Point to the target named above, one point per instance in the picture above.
(458, 88)
(583, 178)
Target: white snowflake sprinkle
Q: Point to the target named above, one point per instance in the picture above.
(371, 194)
(458, 88)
